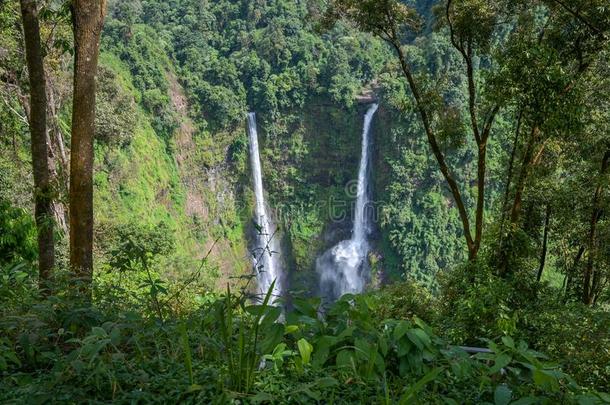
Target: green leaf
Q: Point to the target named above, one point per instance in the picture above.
(310, 393)
(279, 349)
(502, 360)
(508, 341)
(586, 400)
(409, 396)
(423, 325)
(10, 355)
(194, 388)
(502, 395)
(383, 345)
(305, 350)
(403, 366)
(115, 336)
(326, 382)
(262, 397)
(401, 328)
(97, 331)
(186, 349)
(363, 349)
(419, 338)
(404, 346)
(344, 359)
(546, 380)
(304, 307)
(322, 350)
(347, 332)
(273, 335)
(270, 316)
(604, 397)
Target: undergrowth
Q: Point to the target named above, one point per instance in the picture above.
(231, 348)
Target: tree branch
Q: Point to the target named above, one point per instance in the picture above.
(434, 143)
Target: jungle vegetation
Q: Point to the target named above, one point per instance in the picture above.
(126, 273)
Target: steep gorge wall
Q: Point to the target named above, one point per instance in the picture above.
(185, 181)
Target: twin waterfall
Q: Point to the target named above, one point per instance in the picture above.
(343, 268)
(266, 253)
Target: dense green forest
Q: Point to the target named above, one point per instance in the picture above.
(130, 227)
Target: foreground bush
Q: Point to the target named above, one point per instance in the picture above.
(229, 350)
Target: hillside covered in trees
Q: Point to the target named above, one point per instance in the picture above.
(305, 201)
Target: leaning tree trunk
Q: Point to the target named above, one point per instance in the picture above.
(88, 19)
(43, 201)
(545, 239)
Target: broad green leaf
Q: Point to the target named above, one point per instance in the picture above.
(423, 325)
(586, 400)
(502, 395)
(401, 328)
(502, 360)
(326, 382)
(383, 345)
(508, 341)
(305, 350)
(304, 307)
(273, 335)
(419, 338)
(545, 380)
(363, 349)
(344, 359)
(404, 346)
(279, 349)
(97, 331)
(403, 366)
(322, 350)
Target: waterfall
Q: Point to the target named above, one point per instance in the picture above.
(267, 250)
(344, 268)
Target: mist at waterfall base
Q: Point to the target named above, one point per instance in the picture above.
(266, 252)
(344, 268)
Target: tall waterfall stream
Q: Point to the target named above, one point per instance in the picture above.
(344, 268)
(266, 254)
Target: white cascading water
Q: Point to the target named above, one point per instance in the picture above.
(267, 250)
(343, 268)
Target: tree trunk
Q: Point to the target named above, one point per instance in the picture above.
(502, 254)
(545, 238)
(571, 273)
(588, 285)
(43, 201)
(88, 19)
(60, 166)
(520, 185)
(480, 136)
(480, 209)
